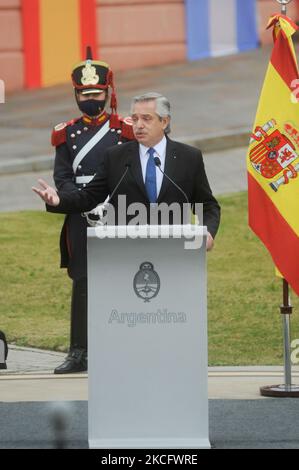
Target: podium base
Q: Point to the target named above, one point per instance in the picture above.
(150, 443)
(280, 391)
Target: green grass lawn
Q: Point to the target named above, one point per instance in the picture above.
(243, 298)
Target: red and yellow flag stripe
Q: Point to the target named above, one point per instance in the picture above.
(273, 157)
(55, 36)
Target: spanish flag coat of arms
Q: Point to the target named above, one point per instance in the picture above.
(273, 156)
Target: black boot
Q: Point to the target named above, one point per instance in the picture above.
(76, 360)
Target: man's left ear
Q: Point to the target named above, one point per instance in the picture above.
(165, 121)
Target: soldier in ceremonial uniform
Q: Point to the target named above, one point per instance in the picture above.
(80, 144)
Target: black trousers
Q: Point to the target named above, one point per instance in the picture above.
(79, 314)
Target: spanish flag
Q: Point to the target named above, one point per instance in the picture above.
(273, 156)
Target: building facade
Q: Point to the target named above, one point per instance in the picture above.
(40, 40)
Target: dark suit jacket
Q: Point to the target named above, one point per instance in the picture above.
(184, 164)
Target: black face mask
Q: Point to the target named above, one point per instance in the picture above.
(92, 107)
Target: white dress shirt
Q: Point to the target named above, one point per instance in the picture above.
(160, 151)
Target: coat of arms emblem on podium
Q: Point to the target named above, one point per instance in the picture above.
(146, 282)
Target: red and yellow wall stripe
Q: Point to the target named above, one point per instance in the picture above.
(55, 36)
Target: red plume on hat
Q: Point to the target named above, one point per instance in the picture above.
(88, 53)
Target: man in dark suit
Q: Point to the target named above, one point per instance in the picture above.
(134, 169)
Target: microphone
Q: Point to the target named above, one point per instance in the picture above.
(158, 164)
(127, 166)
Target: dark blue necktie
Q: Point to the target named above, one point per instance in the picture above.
(150, 177)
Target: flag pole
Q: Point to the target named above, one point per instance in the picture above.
(283, 4)
(286, 310)
(287, 389)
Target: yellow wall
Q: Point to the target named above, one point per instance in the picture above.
(60, 39)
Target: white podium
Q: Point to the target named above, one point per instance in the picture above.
(147, 337)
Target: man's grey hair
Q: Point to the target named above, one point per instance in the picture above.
(162, 105)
